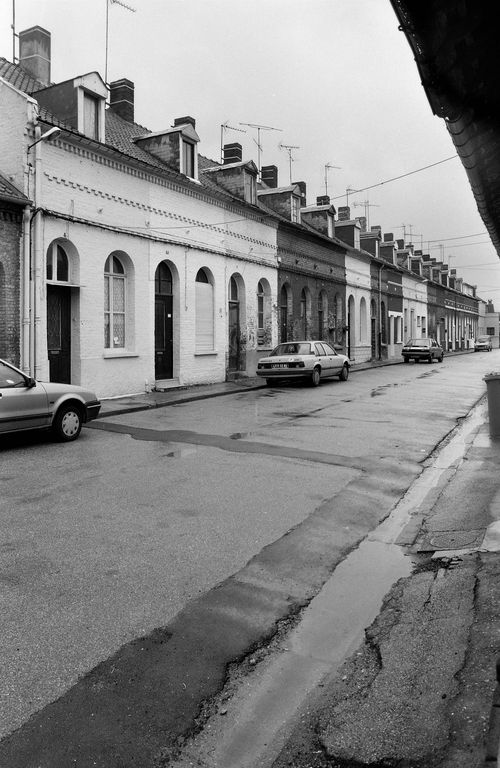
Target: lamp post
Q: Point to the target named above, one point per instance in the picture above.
(33, 265)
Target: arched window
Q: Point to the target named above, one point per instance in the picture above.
(283, 314)
(260, 307)
(204, 314)
(163, 280)
(57, 264)
(303, 313)
(383, 323)
(321, 316)
(114, 303)
(362, 320)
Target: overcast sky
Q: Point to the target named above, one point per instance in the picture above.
(336, 77)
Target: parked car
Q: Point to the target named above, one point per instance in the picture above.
(313, 360)
(27, 404)
(422, 349)
(482, 343)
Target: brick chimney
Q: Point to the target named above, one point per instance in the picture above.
(323, 200)
(121, 98)
(269, 175)
(233, 153)
(34, 53)
(185, 121)
(344, 213)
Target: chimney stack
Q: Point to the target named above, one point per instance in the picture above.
(323, 200)
(344, 213)
(233, 153)
(121, 98)
(185, 121)
(34, 53)
(269, 175)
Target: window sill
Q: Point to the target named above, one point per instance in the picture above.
(204, 354)
(111, 353)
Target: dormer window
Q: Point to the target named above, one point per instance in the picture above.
(250, 188)
(91, 103)
(188, 158)
(90, 116)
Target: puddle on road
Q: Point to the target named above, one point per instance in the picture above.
(255, 726)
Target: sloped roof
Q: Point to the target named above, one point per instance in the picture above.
(455, 44)
(11, 193)
(120, 135)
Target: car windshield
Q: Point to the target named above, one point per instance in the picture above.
(291, 348)
(483, 338)
(418, 343)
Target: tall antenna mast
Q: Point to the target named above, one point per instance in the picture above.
(327, 168)
(13, 27)
(289, 148)
(226, 127)
(347, 193)
(259, 129)
(128, 8)
(367, 205)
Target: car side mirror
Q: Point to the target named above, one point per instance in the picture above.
(30, 382)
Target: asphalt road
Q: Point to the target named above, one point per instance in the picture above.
(142, 559)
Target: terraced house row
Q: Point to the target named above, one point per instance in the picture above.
(128, 260)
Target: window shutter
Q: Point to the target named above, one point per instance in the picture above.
(204, 329)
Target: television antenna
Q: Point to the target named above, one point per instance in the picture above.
(289, 148)
(226, 127)
(347, 193)
(257, 141)
(128, 8)
(366, 205)
(327, 168)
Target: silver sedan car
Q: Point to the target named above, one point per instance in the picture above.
(27, 404)
(313, 360)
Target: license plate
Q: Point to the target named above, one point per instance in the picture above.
(280, 365)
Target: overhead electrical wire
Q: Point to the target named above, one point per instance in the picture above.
(396, 178)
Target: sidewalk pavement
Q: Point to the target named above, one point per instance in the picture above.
(143, 401)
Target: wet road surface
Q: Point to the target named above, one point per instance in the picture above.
(325, 466)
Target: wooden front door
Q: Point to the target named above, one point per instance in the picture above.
(164, 323)
(163, 337)
(234, 336)
(59, 333)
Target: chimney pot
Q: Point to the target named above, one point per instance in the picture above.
(34, 53)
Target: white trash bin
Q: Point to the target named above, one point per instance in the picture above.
(493, 390)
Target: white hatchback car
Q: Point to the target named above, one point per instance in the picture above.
(27, 404)
(313, 360)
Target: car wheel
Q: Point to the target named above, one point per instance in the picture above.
(344, 373)
(67, 423)
(406, 359)
(316, 377)
(440, 359)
